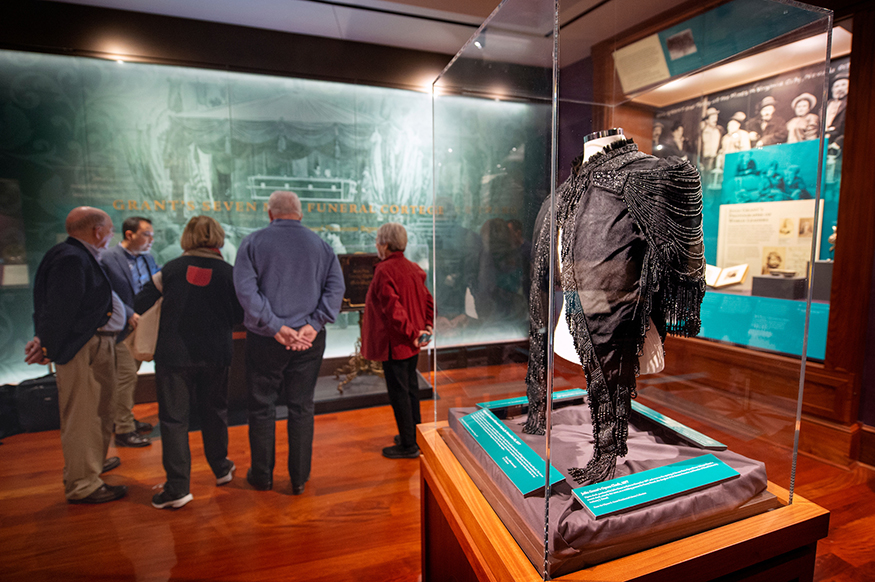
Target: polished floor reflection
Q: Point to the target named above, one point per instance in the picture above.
(358, 518)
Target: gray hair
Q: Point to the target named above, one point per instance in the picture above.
(84, 218)
(284, 203)
(394, 235)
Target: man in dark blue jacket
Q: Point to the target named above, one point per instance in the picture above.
(129, 266)
(77, 317)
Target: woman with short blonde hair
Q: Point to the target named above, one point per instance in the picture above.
(193, 355)
(202, 232)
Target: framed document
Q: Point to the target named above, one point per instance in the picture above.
(717, 277)
(358, 270)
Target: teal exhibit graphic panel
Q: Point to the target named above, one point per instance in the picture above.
(516, 459)
(682, 430)
(764, 323)
(685, 432)
(728, 30)
(734, 168)
(560, 396)
(169, 143)
(738, 169)
(647, 487)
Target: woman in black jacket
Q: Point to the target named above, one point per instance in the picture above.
(193, 354)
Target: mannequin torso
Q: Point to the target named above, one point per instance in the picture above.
(652, 359)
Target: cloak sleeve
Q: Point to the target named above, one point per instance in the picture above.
(666, 204)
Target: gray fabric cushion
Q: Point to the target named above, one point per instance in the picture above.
(576, 538)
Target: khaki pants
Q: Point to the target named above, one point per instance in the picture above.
(126, 384)
(85, 395)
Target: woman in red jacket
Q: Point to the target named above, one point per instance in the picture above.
(398, 319)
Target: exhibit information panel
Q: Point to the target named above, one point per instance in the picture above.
(639, 489)
(572, 395)
(515, 458)
(685, 432)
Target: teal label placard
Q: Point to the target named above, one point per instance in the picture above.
(693, 436)
(646, 487)
(514, 457)
(523, 400)
(729, 29)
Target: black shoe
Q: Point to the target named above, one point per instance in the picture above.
(103, 494)
(226, 478)
(166, 500)
(259, 485)
(110, 464)
(397, 439)
(298, 489)
(399, 452)
(142, 426)
(132, 439)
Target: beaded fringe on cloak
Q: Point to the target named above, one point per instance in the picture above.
(667, 205)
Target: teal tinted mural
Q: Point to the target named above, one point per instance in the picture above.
(169, 143)
(491, 169)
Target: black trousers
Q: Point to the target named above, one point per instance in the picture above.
(403, 387)
(274, 373)
(176, 387)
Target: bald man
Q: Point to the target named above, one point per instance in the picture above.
(290, 285)
(77, 317)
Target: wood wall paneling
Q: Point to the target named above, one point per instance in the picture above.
(849, 308)
(832, 442)
(867, 445)
(826, 391)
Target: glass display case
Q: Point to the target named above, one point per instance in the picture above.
(169, 143)
(626, 221)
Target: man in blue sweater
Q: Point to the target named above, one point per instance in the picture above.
(290, 285)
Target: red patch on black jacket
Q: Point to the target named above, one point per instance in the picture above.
(198, 276)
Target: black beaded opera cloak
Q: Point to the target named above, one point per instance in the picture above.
(632, 251)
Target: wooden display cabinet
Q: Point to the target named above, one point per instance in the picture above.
(463, 539)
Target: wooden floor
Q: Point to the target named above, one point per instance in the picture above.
(357, 520)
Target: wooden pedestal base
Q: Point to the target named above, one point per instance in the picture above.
(464, 540)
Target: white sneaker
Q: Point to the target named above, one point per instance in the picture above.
(226, 478)
(164, 500)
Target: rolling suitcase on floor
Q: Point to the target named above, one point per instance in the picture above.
(8, 411)
(36, 402)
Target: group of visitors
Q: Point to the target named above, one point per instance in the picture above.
(285, 286)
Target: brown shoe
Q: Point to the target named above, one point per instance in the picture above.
(132, 439)
(103, 494)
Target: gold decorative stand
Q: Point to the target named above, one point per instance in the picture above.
(358, 271)
(357, 364)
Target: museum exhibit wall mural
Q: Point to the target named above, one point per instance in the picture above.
(757, 145)
(744, 150)
(169, 143)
